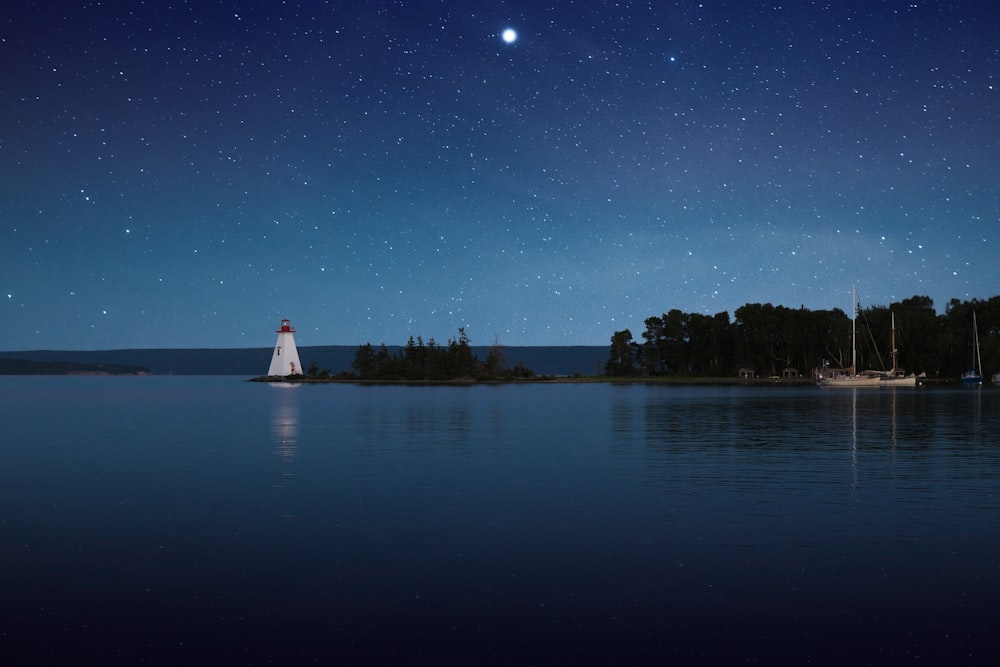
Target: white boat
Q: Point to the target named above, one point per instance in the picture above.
(848, 377)
(974, 375)
(837, 378)
(898, 380)
(896, 377)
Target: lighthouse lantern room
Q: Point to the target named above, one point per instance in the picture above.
(285, 360)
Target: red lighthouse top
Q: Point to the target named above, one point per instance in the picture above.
(286, 326)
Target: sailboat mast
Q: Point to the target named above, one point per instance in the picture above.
(854, 344)
(975, 333)
(893, 317)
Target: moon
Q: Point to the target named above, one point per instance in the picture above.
(509, 35)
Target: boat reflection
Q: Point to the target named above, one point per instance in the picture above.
(854, 439)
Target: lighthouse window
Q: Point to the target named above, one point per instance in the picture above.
(277, 350)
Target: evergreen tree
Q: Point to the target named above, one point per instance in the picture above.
(621, 362)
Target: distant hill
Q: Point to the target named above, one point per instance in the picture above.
(251, 362)
(37, 367)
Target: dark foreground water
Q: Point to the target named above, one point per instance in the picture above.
(167, 520)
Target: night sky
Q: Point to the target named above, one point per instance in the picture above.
(186, 174)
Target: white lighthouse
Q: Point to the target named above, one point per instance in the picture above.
(285, 360)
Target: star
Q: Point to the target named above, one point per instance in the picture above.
(602, 149)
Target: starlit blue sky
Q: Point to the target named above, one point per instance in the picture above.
(186, 174)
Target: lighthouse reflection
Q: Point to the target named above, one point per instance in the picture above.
(285, 421)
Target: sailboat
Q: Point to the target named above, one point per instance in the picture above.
(896, 377)
(974, 375)
(848, 377)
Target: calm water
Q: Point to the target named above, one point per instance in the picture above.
(177, 518)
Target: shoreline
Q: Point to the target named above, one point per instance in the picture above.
(468, 382)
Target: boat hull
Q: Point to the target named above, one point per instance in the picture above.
(850, 381)
(899, 381)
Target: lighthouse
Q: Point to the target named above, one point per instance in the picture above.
(285, 360)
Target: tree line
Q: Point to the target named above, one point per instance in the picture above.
(770, 339)
(422, 362)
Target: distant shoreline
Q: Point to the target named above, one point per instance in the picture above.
(36, 367)
(468, 382)
(246, 362)
(596, 379)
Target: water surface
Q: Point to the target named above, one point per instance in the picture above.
(177, 518)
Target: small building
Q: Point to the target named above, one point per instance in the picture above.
(747, 373)
(285, 360)
(790, 373)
